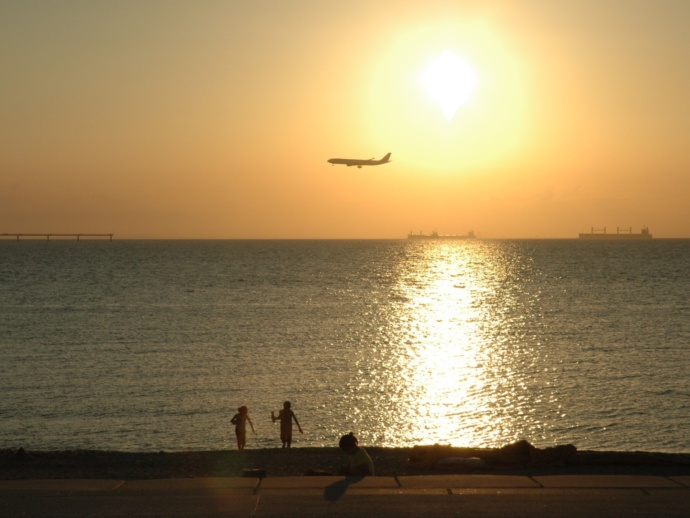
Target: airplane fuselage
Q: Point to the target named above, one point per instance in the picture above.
(350, 162)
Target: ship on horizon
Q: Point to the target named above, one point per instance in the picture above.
(436, 235)
(621, 234)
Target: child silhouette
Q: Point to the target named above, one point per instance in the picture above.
(240, 421)
(286, 415)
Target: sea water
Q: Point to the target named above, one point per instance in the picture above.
(152, 345)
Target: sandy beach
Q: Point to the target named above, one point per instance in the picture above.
(276, 462)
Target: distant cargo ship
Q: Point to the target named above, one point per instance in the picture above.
(621, 234)
(436, 235)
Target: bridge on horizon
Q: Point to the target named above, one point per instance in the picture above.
(49, 235)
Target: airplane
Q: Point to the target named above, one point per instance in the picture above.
(349, 162)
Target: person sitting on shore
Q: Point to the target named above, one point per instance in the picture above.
(286, 415)
(359, 463)
(240, 421)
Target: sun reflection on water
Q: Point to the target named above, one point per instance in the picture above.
(441, 366)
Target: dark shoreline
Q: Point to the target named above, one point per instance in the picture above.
(276, 462)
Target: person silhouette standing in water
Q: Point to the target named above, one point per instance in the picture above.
(286, 415)
(240, 421)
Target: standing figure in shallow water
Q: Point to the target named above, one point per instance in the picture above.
(286, 415)
(240, 421)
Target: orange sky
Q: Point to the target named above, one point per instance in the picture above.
(214, 119)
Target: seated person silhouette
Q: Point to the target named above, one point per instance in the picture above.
(359, 463)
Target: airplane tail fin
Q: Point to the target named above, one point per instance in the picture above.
(386, 158)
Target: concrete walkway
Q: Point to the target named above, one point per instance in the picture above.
(380, 497)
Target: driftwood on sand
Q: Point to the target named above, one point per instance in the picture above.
(522, 455)
(518, 454)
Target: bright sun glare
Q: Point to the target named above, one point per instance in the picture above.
(449, 81)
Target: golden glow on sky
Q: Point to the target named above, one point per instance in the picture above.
(215, 120)
(449, 82)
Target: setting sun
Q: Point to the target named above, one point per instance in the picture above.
(454, 95)
(450, 82)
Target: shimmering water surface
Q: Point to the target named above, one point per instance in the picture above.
(147, 346)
